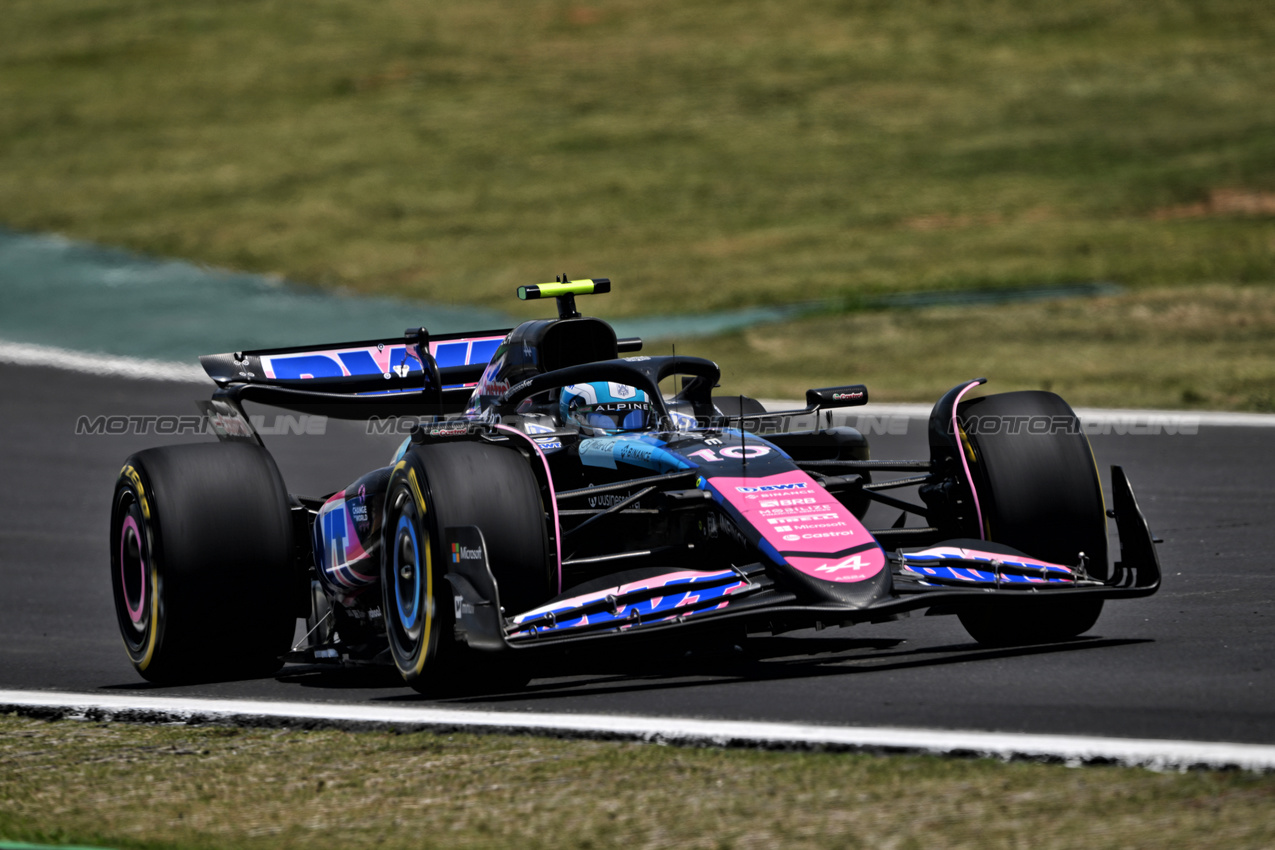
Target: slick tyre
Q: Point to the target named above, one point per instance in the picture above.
(454, 484)
(1039, 493)
(202, 562)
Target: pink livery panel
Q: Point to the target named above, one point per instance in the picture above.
(803, 525)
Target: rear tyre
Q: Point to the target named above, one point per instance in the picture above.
(1039, 493)
(453, 484)
(202, 562)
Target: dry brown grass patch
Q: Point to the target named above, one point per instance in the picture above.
(1222, 203)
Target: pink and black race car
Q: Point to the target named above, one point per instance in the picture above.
(554, 492)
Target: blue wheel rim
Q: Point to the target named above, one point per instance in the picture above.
(407, 576)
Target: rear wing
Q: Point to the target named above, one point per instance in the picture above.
(369, 366)
(429, 373)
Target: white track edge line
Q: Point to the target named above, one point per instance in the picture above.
(107, 365)
(1068, 749)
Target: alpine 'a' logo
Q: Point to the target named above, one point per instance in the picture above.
(854, 562)
(767, 488)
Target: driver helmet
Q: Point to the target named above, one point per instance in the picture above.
(606, 407)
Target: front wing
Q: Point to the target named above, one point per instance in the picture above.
(942, 579)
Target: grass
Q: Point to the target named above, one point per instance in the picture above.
(1193, 347)
(128, 786)
(704, 155)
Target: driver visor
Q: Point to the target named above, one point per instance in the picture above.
(618, 416)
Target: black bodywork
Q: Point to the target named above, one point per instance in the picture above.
(614, 531)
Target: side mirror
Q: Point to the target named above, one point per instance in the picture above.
(829, 397)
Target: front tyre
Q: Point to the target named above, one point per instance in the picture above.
(434, 487)
(1039, 493)
(410, 579)
(202, 562)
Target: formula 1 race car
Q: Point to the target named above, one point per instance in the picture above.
(553, 492)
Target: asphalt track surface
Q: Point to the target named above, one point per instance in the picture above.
(1191, 663)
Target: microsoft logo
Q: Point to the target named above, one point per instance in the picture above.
(459, 552)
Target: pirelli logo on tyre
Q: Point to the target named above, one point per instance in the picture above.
(135, 481)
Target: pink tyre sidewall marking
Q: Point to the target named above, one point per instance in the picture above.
(956, 434)
(130, 527)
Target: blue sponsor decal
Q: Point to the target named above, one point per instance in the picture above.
(358, 363)
(605, 452)
(683, 596)
(452, 354)
(335, 363)
(768, 488)
(298, 366)
(334, 537)
(466, 352)
(921, 566)
(380, 359)
(598, 452)
(482, 351)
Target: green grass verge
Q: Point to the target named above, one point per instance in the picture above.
(1201, 347)
(703, 154)
(124, 785)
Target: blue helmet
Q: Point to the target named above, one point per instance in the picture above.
(606, 407)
